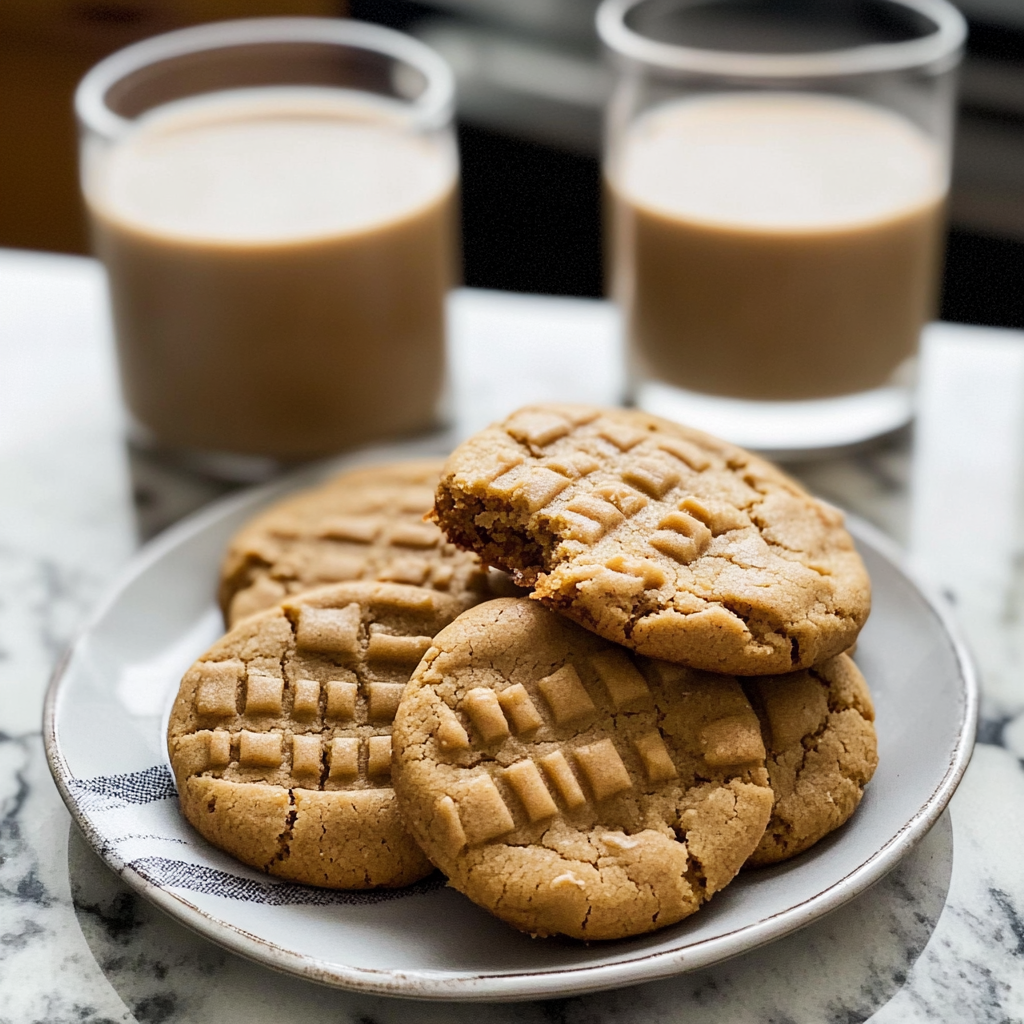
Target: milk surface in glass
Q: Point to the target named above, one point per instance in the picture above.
(774, 245)
(278, 262)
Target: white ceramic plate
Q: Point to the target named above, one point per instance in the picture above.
(104, 727)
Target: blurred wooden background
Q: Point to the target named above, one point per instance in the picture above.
(46, 46)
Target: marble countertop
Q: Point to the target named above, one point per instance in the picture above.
(939, 939)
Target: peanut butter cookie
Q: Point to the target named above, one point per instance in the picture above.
(822, 751)
(569, 787)
(363, 524)
(280, 737)
(678, 545)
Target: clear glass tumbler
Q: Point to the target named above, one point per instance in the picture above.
(275, 204)
(776, 178)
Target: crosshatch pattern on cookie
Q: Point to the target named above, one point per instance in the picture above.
(615, 516)
(565, 784)
(365, 524)
(589, 488)
(310, 700)
(310, 754)
(533, 751)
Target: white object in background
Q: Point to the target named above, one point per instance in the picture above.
(969, 450)
(506, 350)
(966, 491)
(66, 514)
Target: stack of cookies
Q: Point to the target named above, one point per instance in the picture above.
(665, 702)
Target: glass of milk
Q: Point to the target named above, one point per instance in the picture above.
(275, 204)
(776, 179)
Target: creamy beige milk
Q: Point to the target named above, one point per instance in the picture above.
(775, 245)
(278, 263)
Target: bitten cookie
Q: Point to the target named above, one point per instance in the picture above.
(659, 537)
(280, 737)
(364, 524)
(822, 751)
(566, 786)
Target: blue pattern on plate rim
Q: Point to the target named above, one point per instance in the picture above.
(105, 799)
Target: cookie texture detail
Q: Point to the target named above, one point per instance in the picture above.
(280, 736)
(671, 542)
(364, 524)
(818, 728)
(568, 786)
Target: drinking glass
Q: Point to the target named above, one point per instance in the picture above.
(275, 204)
(776, 178)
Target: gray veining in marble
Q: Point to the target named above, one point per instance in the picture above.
(940, 939)
(147, 957)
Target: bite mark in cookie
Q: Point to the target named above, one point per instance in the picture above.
(658, 537)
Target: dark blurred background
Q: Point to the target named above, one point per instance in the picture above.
(531, 88)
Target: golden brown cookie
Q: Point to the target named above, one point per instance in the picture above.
(569, 787)
(659, 537)
(364, 524)
(818, 726)
(280, 737)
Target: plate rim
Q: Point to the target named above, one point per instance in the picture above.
(521, 985)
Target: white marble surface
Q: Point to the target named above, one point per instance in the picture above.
(940, 939)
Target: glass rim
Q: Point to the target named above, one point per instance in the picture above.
(946, 41)
(434, 107)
